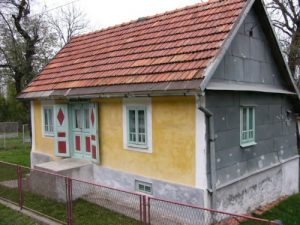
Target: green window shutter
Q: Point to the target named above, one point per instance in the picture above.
(94, 132)
(61, 131)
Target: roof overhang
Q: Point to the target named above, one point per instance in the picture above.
(229, 86)
(165, 88)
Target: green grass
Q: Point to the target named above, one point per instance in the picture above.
(11, 217)
(288, 211)
(84, 212)
(15, 151)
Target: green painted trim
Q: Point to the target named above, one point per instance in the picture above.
(136, 144)
(245, 142)
(46, 108)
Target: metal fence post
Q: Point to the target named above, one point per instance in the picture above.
(144, 210)
(148, 203)
(20, 187)
(69, 198)
(141, 209)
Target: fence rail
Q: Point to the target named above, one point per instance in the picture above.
(71, 201)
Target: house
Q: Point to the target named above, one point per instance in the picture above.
(196, 105)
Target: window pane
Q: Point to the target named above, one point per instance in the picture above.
(250, 118)
(141, 187)
(250, 134)
(141, 116)
(147, 189)
(132, 130)
(50, 120)
(77, 118)
(87, 118)
(46, 122)
(244, 119)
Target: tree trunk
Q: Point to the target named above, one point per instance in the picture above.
(18, 83)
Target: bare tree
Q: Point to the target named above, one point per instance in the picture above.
(28, 42)
(23, 42)
(285, 15)
(68, 22)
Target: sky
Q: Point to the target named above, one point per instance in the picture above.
(105, 13)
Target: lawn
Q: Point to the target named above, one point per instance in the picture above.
(15, 151)
(84, 212)
(87, 213)
(288, 211)
(11, 217)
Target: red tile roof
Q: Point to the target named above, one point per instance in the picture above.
(174, 46)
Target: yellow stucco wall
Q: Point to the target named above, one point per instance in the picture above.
(42, 144)
(173, 135)
(173, 139)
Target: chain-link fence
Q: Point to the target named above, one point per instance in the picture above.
(169, 212)
(123, 207)
(26, 134)
(73, 201)
(8, 130)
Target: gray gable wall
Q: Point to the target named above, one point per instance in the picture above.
(249, 59)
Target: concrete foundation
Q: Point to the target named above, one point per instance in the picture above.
(160, 189)
(238, 196)
(54, 187)
(248, 193)
(37, 158)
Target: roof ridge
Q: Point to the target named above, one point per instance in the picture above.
(145, 18)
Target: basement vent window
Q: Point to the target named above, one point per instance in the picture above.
(143, 187)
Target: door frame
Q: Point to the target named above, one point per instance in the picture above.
(83, 132)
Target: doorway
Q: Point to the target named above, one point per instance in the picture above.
(81, 130)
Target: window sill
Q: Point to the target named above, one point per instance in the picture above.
(249, 144)
(138, 149)
(48, 135)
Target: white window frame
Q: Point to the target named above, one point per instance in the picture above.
(137, 183)
(47, 133)
(248, 141)
(137, 103)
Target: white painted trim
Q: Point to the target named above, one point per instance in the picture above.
(146, 102)
(47, 104)
(201, 145)
(32, 127)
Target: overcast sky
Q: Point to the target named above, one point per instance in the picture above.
(104, 13)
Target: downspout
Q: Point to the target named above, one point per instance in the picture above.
(211, 139)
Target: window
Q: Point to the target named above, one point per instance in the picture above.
(87, 119)
(77, 118)
(247, 122)
(137, 126)
(143, 187)
(48, 120)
